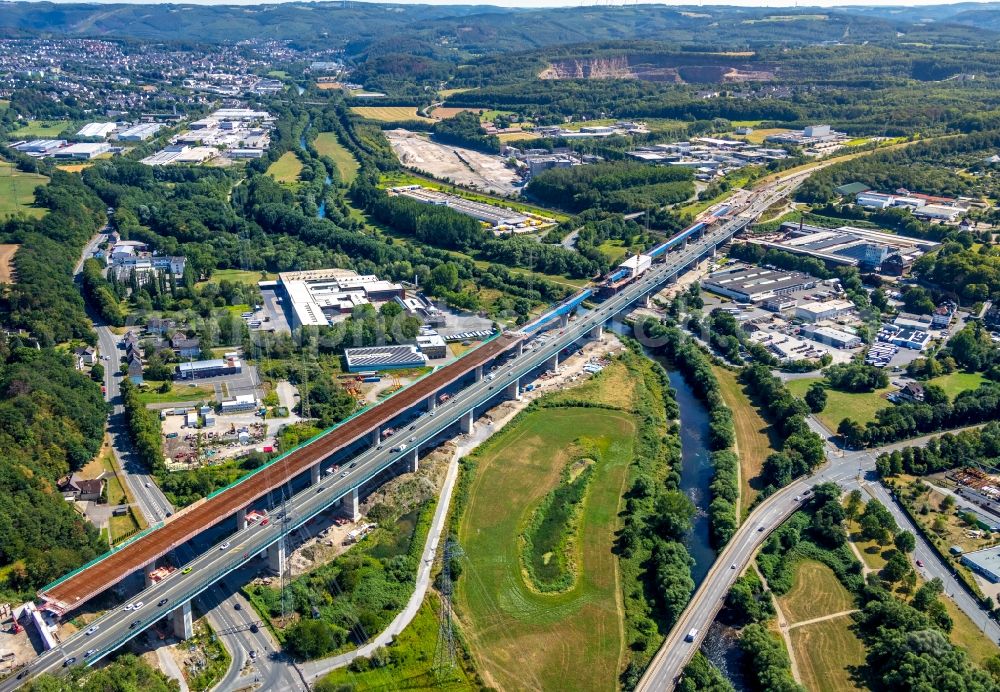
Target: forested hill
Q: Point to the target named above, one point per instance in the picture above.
(489, 29)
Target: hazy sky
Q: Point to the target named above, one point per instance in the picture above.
(569, 3)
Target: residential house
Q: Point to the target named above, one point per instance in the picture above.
(81, 489)
(85, 355)
(185, 347)
(161, 326)
(135, 369)
(913, 391)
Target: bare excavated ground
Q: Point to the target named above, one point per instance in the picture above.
(463, 166)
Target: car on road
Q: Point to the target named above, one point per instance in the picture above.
(254, 628)
(69, 661)
(344, 474)
(130, 606)
(237, 606)
(163, 602)
(187, 570)
(690, 636)
(920, 563)
(90, 630)
(320, 489)
(135, 623)
(253, 654)
(760, 528)
(732, 566)
(138, 605)
(264, 522)
(89, 653)
(224, 545)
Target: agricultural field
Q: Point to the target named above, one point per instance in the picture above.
(40, 129)
(521, 638)
(840, 405)
(754, 441)
(817, 609)
(327, 144)
(17, 191)
(521, 136)
(286, 169)
(445, 112)
(389, 113)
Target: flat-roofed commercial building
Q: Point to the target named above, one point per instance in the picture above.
(100, 130)
(432, 345)
(831, 336)
(985, 563)
(208, 368)
(82, 151)
(823, 310)
(754, 284)
(139, 133)
(320, 297)
(384, 358)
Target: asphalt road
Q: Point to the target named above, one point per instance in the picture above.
(231, 622)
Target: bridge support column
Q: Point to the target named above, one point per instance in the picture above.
(276, 557)
(597, 332)
(182, 622)
(714, 251)
(147, 573)
(563, 321)
(553, 362)
(432, 402)
(479, 373)
(412, 461)
(241, 519)
(647, 300)
(351, 505)
(520, 347)
(514, 389)
(314, 474)
(466, 422)
(376, 436)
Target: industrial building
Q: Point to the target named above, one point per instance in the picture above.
(83, 151)
(831, 336)
(849, 246)
(754, 284)
(40, 147)
(384, 358)
(432, 345)
(924, 206)
(636, 265)
(985, 563)
(499, 218)
(320, 297)
(193, 370)
(238, 404)
(97, 130)
(139, 133)
(709, 156)
(904, 336)
(816, 138)
(424, 310)
(823, 310)
(180, 153)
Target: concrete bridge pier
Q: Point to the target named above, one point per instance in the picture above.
(514, 389)
(553, 362)
(376, 436)
(314, 471)
(479, 373)
(647, 300)
(351, 505)
(432, 400)
(241, 519)
(276, 557)
(147, 573)
(597, 332)
(466, 422)
(412, 460)
(181, 621)
(563, 321)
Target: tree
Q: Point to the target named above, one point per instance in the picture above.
(895, 567)
(854, 504)
(905, 542)
(877, 523)
(947, 503)
(816, 397)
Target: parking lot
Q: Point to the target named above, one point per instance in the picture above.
(230, 386)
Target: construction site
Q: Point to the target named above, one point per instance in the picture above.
(465, 167)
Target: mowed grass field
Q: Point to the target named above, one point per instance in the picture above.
(239, 276)
(958, 382)
(389, 113)
(17, 191)
(286, 169)
(825, 650)
(521, 639)
(327, 144)
(40, 129)
(841, 405)
(754, 435)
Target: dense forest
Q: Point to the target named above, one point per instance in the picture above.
(612, 186)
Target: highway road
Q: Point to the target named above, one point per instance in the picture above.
(199, 574)
(229, 616)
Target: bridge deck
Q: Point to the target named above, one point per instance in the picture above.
(77, 588)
